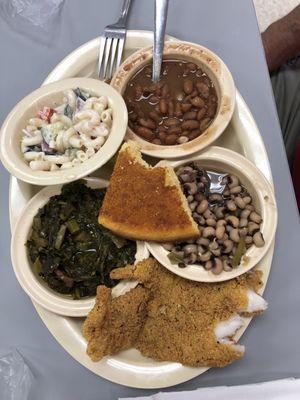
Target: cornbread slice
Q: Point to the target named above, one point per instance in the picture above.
(144, 202)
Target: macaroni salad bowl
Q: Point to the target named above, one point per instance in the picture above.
(77, 136)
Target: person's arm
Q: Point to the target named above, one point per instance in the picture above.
(281, 39)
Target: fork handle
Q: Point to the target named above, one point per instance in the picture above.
(124, 12)
(161, 12)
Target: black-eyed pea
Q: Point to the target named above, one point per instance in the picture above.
(211, 222)
(255, 217)
(227, 246)
(258, 239)
(217, 266)
(205, 256)
(236, 189)
(202, 206)
(243, 222)
(209, 232)
(234, 235)
(239, 201)
(243, 232)
(230, 204)
(208, 265)
(248, 240)
(247, 199)
(233, 181)
(232, 220)
(208, 214)
(220, 231)
(245, 213)
(253, 227)
(226, 266)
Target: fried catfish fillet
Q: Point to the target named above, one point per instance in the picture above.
(115, 324)
(173, 319)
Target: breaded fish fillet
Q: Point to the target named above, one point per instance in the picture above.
(179, 320)
(115, 325)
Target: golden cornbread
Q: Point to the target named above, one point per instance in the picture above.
(145, 203)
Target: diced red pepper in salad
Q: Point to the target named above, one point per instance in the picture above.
(46, 113)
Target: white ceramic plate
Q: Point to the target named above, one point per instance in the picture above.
(261, 191)
(128, 367)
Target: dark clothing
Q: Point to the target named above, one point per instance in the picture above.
(286, 87)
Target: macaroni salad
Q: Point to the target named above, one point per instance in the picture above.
(65, 136)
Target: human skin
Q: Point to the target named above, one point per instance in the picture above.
(281, 40)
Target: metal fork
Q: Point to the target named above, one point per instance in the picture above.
(112, 44)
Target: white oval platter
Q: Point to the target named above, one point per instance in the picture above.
(129, 367)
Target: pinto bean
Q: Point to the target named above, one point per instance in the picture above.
(171, 139)
(162, 136)
(188, 86)
(203, 89)
(178, 112)
(163, 106)
(190, 115)
(148, 123)
(171, 122)
(197, 102)
(201, 113)
(185, 107)
(190, 124)
(146, 133)
(156, 141)
(171, 108)
(154, 116)
(165, 90)
(175, 129)
(204, 124)
(193, 134)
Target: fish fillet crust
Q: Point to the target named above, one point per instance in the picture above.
(173, 319)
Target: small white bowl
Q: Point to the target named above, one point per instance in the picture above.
(33, 284)
(11, 131)
(223, 160)
(216, 70)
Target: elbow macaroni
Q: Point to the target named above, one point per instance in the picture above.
(69, 135)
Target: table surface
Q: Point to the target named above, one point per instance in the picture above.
(230, 29)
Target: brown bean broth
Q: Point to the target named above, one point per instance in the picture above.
(140, 91)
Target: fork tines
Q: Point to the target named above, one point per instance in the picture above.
(110, 55)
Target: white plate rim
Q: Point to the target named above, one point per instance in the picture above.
(50, 320)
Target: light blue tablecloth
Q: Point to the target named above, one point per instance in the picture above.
(229, 28)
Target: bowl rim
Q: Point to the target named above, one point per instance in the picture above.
(265, 194)
(38, 292)
(217, 68)
(110, 147)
